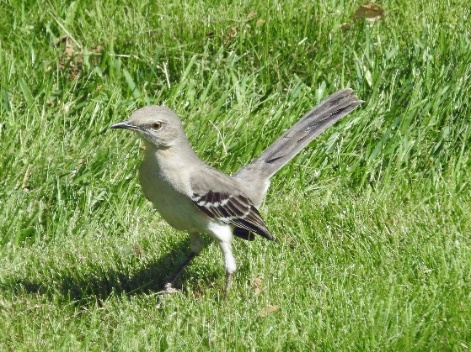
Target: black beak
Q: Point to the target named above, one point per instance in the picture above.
(125, 125)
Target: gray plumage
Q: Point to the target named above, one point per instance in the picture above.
(194, 197)
(257, 174)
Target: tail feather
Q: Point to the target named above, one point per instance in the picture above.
(256, 175)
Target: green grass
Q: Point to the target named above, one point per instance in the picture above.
(372, 219)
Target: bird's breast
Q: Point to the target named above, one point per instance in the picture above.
(167, 192)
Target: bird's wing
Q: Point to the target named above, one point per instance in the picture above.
(230, 206)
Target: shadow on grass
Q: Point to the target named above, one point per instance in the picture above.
(99, 285)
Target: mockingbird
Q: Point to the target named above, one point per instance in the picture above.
(194, 197)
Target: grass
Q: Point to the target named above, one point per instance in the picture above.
(372, 220)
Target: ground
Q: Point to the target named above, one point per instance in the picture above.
(372, 220)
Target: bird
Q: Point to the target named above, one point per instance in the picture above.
(194, 197)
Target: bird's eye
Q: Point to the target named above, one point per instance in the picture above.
(156, 125)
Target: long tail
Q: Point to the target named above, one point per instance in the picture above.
(256, 175)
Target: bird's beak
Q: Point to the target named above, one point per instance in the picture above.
(125, 125)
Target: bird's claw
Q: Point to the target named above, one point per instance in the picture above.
(168, 289)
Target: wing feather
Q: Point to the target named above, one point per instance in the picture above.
(235, 209)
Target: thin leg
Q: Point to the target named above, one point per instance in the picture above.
(180, 270)
(196, 246)
(228, 284)
(229, 263)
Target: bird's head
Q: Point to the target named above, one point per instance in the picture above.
(157, 125)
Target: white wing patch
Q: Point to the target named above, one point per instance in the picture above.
(235, 209)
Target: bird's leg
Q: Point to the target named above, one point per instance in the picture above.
(195, 246)
(229, 263)
(228, 284)
(169, 285)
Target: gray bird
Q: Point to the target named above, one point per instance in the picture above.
(194, 197)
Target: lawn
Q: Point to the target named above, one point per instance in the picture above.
(372, 219)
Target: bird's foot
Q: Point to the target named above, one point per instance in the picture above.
(168, 289)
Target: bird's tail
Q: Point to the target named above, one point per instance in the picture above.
(256, 175)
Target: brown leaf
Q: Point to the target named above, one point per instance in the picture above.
(68, 48)
(232, 33)
(260, 22)
(270, 309)
(370, 11)
(97, 50)
(251, 15)
(138, 250)
(257, 285)
(72, 57)
(67, 56)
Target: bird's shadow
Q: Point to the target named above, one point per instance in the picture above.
(97, 286)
